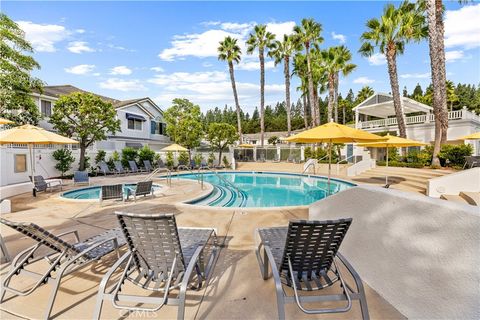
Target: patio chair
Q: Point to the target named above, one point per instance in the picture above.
(303, 257)
(111, 192)
(204, 165)
(471, 162)
(262, 157)
(63, 258)
(40, 184)
(290, 159)
(193, 165)
(182, 165)
(161, 258)
(80, 177)
(276, 158)
(148, 166)
(134, 168)
(119, 169)
(103, 166)
(144, 188)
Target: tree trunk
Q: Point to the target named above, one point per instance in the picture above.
(392, 73)
(343, 113)
(331, 96)
(317, 107)
(305, 111)
(81, 163)
(237, 105)
(310, 87)
(335, 97)
(220, 157)
(262, 95)
(442, 76)
(286, 69)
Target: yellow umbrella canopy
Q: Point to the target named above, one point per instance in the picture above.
(245, 145)
(473, 136)
(5, 121)
(174, 147)
(334, 133)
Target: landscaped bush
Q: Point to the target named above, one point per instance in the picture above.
(169, 159)
(100, 156)
(145, 153)
(115, 157)
(420, 156)
(225, 162)
(393, 154)
(454, 155)
(64, 160)
(198, 159)
(184, 158)
(321, 153)
(211, 159)
(128, 154)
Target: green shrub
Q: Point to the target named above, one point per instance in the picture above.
(225, 162)
(145, 153)
(64, 160)
(156, 157)
(115, 156)
(454, 155)
(420, 156)
(198, 159)
(169, 158)
(211, 159)
(128, 154)
(393, 154)
(100, 156)
(87, 162)
(184, 158)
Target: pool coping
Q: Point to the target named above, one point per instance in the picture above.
(61, 197)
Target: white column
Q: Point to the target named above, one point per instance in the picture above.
(357, 116)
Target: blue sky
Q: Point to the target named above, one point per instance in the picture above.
(165, 50)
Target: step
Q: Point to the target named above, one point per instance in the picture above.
(472, 198)
(393, 175)
(420, 173)
(394, 180)
(453, 198)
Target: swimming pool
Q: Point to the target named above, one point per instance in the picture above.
(264, 189)
(93, 193)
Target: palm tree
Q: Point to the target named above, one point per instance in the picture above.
(308, 35)
(364, 94)
(261, 39)
(390, 33)
(230, 51)
(283, 51)
(344, 56)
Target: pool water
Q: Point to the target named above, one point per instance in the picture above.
(93, 193)
(261, 189)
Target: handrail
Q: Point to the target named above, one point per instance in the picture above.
(239, 191)
(346, 159)
(157, 170)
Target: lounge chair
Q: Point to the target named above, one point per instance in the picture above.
(193, 165)
(104, 168)
(161, 258)
(134, 168)
(112, 192)
(65, 258)
(148, 166)
(80, 177)
(303, 257)
(471, 162)
(144, 188)
(119, 169)
(204, 165)
(290, 159)
(182, 165)
(262, 157)
(40, 184)
(276, 158)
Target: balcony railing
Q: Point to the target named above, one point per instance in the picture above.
(382, 123)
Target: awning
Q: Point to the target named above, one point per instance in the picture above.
(131, 116)
(134, 145)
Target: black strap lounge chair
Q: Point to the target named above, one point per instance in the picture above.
(144, 188)
(304, 256)
(134, 168)
(182, 165)
(111, 192)
(471, 162)
(193, 165)
(80, 177)
(204, 165)
(63, 258)
(40, 184)
(148, 166)
(104, 168)
(161, 258)
(119, 169)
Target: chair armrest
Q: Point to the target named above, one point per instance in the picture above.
(75, 233)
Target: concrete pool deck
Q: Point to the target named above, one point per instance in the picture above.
(236, 290)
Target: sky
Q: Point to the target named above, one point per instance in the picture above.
(167, 50)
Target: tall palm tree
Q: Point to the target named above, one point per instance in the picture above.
(344, 56)
(230, 51)
(395, 28)
(364, 94)
(283, 52)
(308, 35)
(261, 39)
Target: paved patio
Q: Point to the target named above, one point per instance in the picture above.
(236, 290)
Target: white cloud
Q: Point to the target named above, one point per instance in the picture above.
(122, 85)
(363, 80)
(157, 69)
(113, 46)
(120, 70)
(462, 28)
(178, 78)
(254, 65)
(240, 28)
(80, 31)
(207, 65)
(340, 37)
(43, 37)
(454, 55)
(415, 75)
(377, 59)
(81, 69)
(79, 47)
(281, 28)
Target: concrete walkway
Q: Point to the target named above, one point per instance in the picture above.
(236, 290)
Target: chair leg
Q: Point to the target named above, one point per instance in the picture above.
(56, 286)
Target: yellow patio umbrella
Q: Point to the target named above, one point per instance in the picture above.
(31, 135)
(392, 141)
(330, 133)
(473, 136)
(174, 147)
(5, 121)
(246, 145)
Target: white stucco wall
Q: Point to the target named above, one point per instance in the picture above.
(419, 253)
(466, 180)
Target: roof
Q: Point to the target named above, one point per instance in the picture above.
(381, 105)
(57, 91)
(267, 135)
(123, 103)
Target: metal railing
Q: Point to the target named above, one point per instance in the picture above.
(354, 156)
(157, 171)
(231, 184)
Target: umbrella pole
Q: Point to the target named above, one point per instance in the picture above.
(32, 169)
(329, 164)
(386, 176)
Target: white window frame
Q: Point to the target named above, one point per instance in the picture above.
(41, 108)
(134, 125)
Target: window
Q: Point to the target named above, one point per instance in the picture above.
(157, 127)
(46, 108)
(134, 124)
(20, 163)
